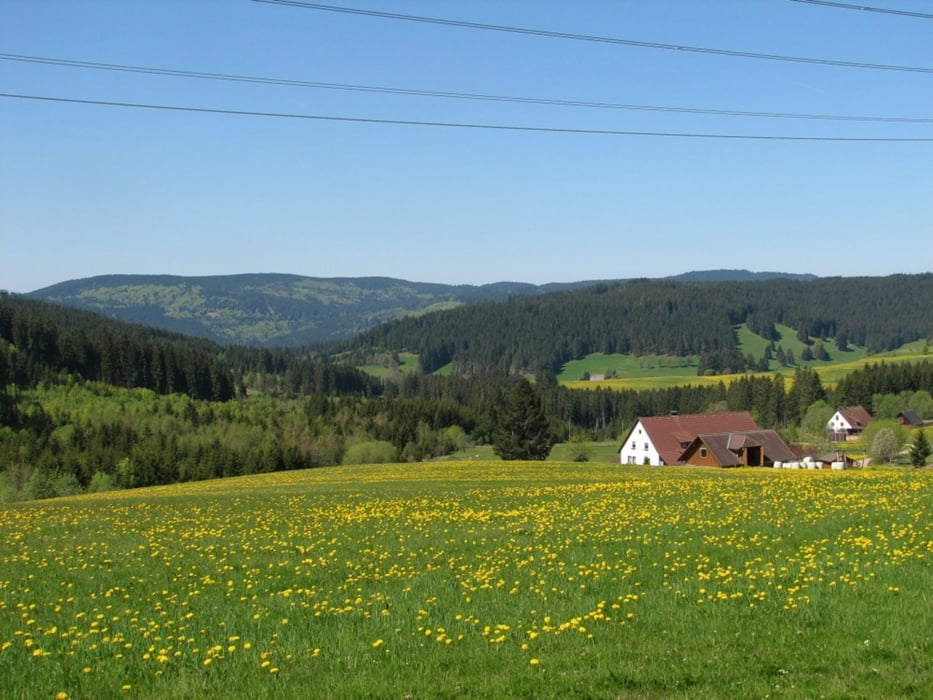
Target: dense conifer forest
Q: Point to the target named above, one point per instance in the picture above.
(88, 403)
(644, 317)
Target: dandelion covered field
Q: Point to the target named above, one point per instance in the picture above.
(476, 579)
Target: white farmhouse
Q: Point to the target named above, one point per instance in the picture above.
(847, 422)
(661, 440)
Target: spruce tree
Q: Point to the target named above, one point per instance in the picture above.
(920, 449)
(522, 430)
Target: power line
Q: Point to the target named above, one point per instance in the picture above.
(598, 39)
(459, 125)
(866, 8)
(446, 94)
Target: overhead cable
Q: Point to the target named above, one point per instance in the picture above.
(460, 125)
(598, 39)
(446, 94)
(866, 8)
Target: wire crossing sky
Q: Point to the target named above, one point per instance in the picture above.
(598, 39)
(463, 142)
(441, 94)
(867, 8)
(461, 125)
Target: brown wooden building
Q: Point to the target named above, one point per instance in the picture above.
(746, 448)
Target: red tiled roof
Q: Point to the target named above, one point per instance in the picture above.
(667, 432)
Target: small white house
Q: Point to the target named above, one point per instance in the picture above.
(848, 422)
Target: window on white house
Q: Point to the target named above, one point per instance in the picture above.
(646, 445)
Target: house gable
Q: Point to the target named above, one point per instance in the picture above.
(848, 421)
(638, 448)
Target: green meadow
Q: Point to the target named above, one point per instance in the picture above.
(640, 373)
(475, 579)
(661, 371)
(407, 363)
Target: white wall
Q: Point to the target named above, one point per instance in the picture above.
(637, 446)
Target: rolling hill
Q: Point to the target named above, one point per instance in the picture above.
(661, 317)
(278, 310)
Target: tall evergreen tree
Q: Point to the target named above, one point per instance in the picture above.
(920, 449)
(522, 430)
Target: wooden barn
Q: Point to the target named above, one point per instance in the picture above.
(747, 448)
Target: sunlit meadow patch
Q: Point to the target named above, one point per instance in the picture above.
(489, 579)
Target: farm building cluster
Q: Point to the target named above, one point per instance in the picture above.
(734, 440)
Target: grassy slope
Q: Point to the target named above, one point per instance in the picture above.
(408, 364)
(657, 372)
(664, 371)
(483, 579)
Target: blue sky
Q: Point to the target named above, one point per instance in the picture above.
(92, 189)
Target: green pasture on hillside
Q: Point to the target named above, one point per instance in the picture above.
(664, 371)
(661, 372)
(407, 364)
(629, 366)
(481, 579)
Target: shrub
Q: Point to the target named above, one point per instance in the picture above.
(370, 452)
(101, 481)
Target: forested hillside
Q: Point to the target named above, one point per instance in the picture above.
(42, 342)
(88, 403)
(275, 310)
(270, 310)
(646, 317)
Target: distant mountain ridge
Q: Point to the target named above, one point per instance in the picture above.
(737, 276)
(272, 309)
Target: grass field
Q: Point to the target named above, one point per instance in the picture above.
(407, 364)
(629, 366)
(476, 579)
(662, 371)
(665, 371)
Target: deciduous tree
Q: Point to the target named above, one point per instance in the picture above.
(884, 447)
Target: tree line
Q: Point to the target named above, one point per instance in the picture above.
(40, 342)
